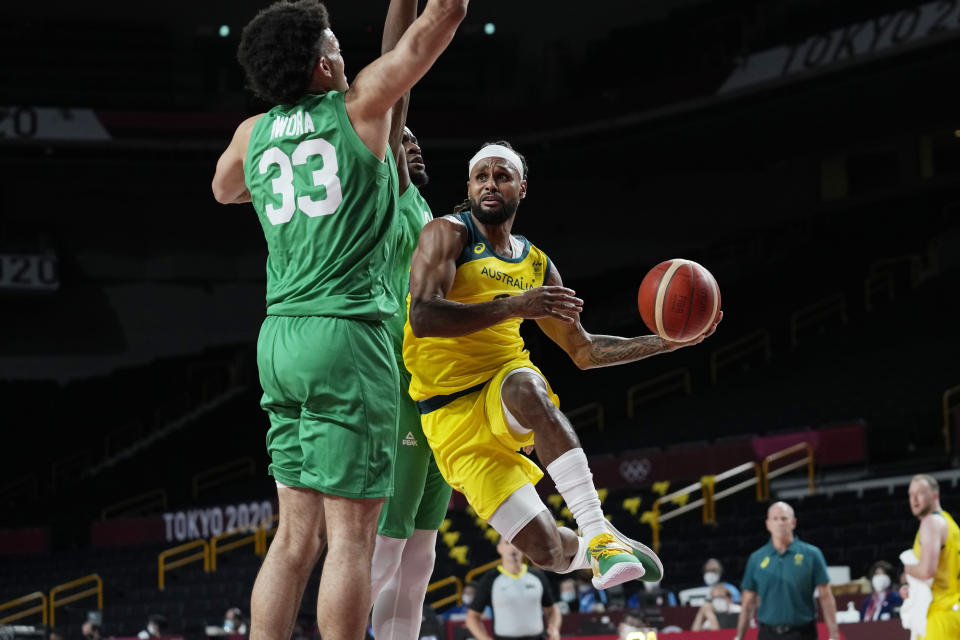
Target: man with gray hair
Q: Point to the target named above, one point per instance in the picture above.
(783, 574)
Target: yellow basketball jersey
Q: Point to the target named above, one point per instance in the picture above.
(946, 581)
(442, 366)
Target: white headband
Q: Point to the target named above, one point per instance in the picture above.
(497, 151)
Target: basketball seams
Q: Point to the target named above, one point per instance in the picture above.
(662, 288)
(716, 298)
(696, 277)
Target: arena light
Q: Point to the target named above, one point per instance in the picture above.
(489, 28)
(224, 30)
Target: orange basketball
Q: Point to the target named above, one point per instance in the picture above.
(678, 300)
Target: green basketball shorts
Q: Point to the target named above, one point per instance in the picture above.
(330, 389)
(421, 494)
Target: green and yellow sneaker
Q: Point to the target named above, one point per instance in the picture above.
(653, 569)
(613, 561)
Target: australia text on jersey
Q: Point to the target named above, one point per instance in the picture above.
(508, 280)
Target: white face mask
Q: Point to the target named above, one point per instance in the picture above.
(466, 598)
(881, 582)
(720, 605)
(711, 578)
(568, 596)
(651, 586)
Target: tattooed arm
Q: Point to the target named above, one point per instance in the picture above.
(589, 351)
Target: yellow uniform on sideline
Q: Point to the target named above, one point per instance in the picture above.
(456, 381)
(943, 616)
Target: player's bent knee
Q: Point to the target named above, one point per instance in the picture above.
(525, 395)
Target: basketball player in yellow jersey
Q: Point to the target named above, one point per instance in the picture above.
(481, 398)
(938, 546)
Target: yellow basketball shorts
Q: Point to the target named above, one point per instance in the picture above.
(476, 451)
(942, 624)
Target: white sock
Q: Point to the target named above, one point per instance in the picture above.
(580, 559)
(398, 609)
(575, 483)
(387, 553)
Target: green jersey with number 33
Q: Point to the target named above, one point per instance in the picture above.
(328, 208)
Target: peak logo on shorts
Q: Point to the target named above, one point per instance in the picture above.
(410, 441)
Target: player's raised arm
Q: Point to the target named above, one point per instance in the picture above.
(400, 15)
(229, 185)
(381, 84)
(589, 351)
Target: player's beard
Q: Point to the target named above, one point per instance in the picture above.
(419, 178)
(498, 216)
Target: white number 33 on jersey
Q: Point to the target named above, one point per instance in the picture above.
(283, 184)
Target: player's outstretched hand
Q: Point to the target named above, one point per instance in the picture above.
(554, 302)
(706, 334)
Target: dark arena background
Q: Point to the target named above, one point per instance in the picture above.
(807, 152)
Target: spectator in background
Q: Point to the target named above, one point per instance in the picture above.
(588, 598)
(569, 602)
(712, 573)
(884, 601)
(632, 622)
(91, 630)
(233, 621)
(719, 612)
(156, 626)
(652, 595)
(783, 575)
(520, 597)
(53, 634)
(432, 625)
(459, 612)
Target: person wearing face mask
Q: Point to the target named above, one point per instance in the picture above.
(884, 601)
(233, 621)
(712, 573)
(459, 612)
(719, 612)
(590, 599)
(568, 601)
(156, 626)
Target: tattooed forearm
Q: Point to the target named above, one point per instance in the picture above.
(610, 350)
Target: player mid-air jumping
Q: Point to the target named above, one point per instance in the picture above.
(471, 285)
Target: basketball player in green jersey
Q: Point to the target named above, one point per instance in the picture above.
(406, 538)
(318, 172)
(405, 548)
